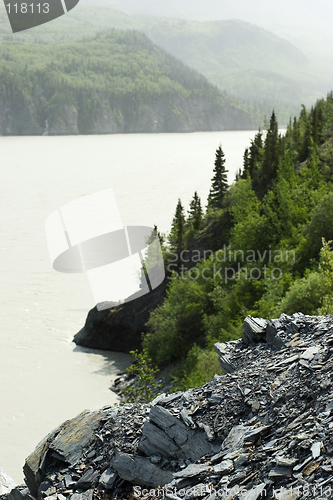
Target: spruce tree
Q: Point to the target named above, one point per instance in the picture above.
(295, 137)
(255, 154)
(177, 230)
(271, 151)
(267, 172)
(219, 181)
(195, 212)
(246, 165)
(306, 141)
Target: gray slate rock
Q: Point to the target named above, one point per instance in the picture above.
(75, 435)
(67, 442)
(192, 470)
(241, 434)
(272, 337)
(86, 495)
(224, 360)
(225, 467)
(280, 472)
(254, 493)
(108, 478)
(19, 494)
(254, 330)
(273, 426)
(88, 480)
(167, 436)
(139, 470)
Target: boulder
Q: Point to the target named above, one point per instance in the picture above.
(139, 470)
(254, 330)
(167, 436)
(66, 443)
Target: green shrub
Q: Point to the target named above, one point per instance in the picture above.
(305, 295)
(199, 368)
(144, 385)
(178, 323)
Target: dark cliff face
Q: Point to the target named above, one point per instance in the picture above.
(120, 328)
(24, 116)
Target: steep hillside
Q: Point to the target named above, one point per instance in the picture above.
(266, 249)
(115, 82)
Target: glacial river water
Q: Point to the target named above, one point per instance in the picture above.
(44, 378)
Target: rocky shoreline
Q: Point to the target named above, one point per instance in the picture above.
(264, 428)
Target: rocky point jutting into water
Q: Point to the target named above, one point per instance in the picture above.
(263, 428)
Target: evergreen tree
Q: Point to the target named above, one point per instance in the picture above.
(219, 181)
(255, 154)
(246, 164)
(238, 175)
(177, 230)
(317, 122)
(306, 141)
(295, 137)
(305, 134)
(195, 212)
(266, 173)
(271, 150)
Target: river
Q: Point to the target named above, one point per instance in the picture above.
(44, 378)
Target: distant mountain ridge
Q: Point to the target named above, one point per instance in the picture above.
(246, 61)
(118, 82)
(252, 65)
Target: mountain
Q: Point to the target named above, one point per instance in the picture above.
(301, 23)
(247, 62)
(115, 82)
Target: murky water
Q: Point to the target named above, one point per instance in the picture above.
(44, 378)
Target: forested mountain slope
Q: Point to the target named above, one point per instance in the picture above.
(246, 61)
(115, 82)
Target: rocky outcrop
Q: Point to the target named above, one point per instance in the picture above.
(265, 428)
(120, 328)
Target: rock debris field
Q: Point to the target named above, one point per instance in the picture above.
(262, 430)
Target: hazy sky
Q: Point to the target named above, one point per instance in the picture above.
(306, 23)
(263, 12)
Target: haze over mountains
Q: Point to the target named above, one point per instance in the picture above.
(303, 22)
(254, 66)
(306, 24)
